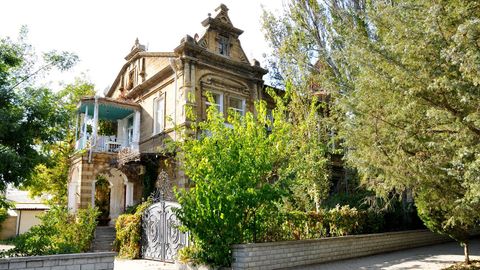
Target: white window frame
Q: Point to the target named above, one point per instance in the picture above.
(218, 105)
(240, 111)
(130, 128)
(158, 127)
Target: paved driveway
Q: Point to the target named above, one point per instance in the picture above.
(431, 257)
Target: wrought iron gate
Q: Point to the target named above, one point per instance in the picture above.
(161, 238)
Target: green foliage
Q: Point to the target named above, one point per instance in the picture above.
(343, 220)
(59, 232)
(358, 199)
(107, 128)
(3, 216)
(403, 81)
(129, 232)
(29, 115)
(337, 221)
(189, 255)
(234, 170)
(52, 176)
(308, 147)
(417, 124)
(102, 199)
(241, 171)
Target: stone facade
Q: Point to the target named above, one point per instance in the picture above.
(162, 85)
(84, 174)
(279, 255)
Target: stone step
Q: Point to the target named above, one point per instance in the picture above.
(104, 243)
(104, 237)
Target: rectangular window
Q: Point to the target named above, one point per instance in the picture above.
(223, 45)
(237, 105)
(159, 114)
(218, 101)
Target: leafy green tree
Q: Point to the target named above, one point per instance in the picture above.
(242, 170)
(309, 150)
(29, 115)
(52, 176)
(403, 76)
(234, 171)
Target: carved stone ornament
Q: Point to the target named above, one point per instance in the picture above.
(212, 81)
(127, 155)
(203, 42)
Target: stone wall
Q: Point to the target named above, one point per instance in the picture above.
(79, 261)
(285, 254)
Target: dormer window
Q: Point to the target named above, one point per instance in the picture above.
(223, 45)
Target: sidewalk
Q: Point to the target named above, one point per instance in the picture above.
(121, 264)
(430, 257)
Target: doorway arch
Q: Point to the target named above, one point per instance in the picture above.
(121, 192)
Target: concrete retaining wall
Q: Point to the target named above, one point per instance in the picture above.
(285, 254)
(79, 261)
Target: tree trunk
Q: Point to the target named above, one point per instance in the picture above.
(466, 250)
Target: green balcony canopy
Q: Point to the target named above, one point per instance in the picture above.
(108, 109)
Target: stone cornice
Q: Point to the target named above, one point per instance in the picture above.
(167, 70)
(189, 50)
(133, 58)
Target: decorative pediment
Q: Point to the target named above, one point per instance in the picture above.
(214, 82)
(222, 21)
(222, 14)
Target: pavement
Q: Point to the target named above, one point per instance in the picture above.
(122, 264)
(434, 257)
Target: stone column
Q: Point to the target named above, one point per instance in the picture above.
(129, 194)
(136, 130)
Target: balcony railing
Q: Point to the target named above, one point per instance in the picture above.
(109, 144)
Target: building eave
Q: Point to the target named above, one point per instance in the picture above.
(136, 55)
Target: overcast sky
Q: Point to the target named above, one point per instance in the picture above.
(102, 33)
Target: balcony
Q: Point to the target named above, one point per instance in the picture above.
(107, 125)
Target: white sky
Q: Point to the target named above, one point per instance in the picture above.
(102, 32)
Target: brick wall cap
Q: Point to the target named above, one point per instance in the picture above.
(58, 257)
(307, 241)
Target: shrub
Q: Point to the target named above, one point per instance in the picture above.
(59, 232)
(235, 177)
(343, 220)
(189, 255)
(129, 231)
(338, 221)
(3, 216)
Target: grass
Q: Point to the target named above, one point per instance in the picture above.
(474, 265)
